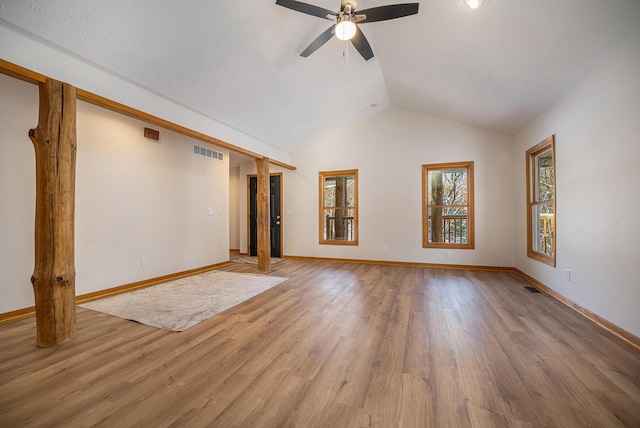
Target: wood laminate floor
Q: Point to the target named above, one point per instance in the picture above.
(338, 345)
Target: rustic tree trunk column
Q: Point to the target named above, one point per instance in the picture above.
(54, 141)
(264, 235)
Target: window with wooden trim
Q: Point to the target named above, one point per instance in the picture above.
(339, 207)
(541, 202)
(447, 205)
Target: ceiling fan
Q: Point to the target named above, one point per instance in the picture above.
(345, 27)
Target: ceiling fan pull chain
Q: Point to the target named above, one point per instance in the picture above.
(346, 53)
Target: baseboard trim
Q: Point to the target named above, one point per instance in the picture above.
(20, 313)
(403, 264)
(607, 325)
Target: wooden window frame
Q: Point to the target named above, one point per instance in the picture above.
(470, 245)
(546, 144)
(343, 173)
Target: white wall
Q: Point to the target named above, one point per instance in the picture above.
(597, 127)
(234, 208)
(389, 150)
(141, 198)
(134, 198)
(245, 168)
(18, 114)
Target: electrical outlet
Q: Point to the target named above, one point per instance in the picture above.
(385, 249)
(449, 254)
(334, 250)
(567, 274)
(144, 262)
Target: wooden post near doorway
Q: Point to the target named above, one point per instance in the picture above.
(54, 276)
(264, 236)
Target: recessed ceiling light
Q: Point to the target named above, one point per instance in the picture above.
(473, 4)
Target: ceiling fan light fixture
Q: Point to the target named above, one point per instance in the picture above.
(345, 29)
(473, 4)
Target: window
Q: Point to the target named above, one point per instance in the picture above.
(447, 205)
(541, 202)
(339, 207)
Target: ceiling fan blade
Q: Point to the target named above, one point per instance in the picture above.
(391, 11)
(319, 41)
(361, 44)
(309, 9)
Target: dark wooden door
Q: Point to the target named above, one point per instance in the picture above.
(275, 216)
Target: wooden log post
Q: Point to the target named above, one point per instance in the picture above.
(54, 141)
(264, 226)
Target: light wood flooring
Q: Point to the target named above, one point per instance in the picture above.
(337, 345)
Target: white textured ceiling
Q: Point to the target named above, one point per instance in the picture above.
(238, 62)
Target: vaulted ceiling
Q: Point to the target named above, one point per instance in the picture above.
(238, 62)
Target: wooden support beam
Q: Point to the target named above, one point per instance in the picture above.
(264, 235)
(21, 73)
(54, 141)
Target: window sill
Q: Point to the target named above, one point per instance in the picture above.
(549, 260)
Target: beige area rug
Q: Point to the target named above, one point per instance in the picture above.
(180, 304)
(252, 260)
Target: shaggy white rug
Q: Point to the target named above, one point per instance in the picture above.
(180, 304)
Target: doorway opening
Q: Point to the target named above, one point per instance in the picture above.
(275, 214)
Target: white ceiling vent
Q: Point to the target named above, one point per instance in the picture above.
(208, 153)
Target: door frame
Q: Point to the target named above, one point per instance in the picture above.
(248, 185)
